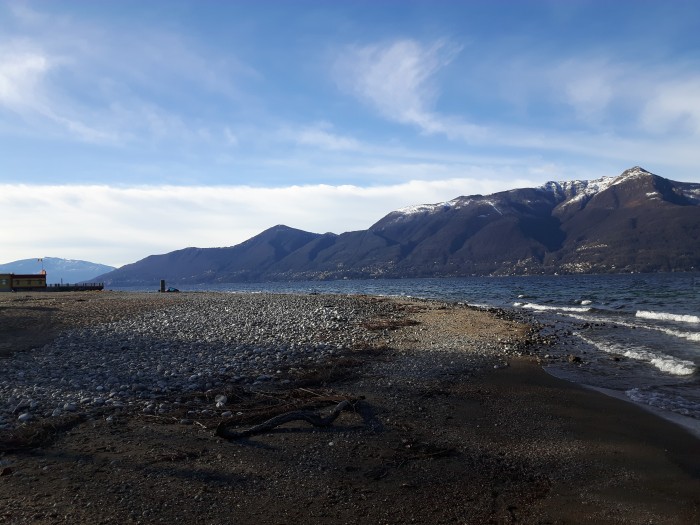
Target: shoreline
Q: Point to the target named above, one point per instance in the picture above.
(691, 425)
(460, 423)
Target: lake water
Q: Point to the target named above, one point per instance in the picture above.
(638, 334)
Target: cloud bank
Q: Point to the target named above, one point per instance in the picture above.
(116, 226)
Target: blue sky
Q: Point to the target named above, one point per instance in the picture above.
(131, 128)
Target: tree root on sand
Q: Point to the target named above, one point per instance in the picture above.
(314, 419)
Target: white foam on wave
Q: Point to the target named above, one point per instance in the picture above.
(602, 319)
(543, 308)
(663, 362)
(663, 316)
(676, 367)
(690, 336)
(479, 305)
(664, 401)
(586, 301)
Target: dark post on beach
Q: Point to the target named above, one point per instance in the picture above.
(162, 285)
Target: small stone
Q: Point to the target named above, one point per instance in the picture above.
(186, 421)
(56, 412)
(25, 417)
(221, 399)
(22, 404)
(70, 407)
(228, 413)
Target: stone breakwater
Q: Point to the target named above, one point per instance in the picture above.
(205, 343)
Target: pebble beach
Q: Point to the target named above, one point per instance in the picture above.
(205, 343)
(116, 398)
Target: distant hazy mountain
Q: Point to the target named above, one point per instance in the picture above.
(637, 221)
(68, 270)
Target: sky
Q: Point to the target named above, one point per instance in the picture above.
(131, 128)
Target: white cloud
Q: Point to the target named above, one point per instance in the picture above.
(322, 136)
(673, 106)
(625, 111)
(589, 89)
(21, 73)
(634, 99)
(121, 225)
(317, 136)
(397, 79)
(69, 78)
(24, 90)
(230, 136)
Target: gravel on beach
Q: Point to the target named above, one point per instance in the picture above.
(207, 342)
(110, 406)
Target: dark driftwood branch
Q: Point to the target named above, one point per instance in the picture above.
(299, 415)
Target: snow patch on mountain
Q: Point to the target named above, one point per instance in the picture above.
(566, 193)
(690, 191)
(573, 192)
(422, 208)
(455, 204)
(493, 205)
(577, 190)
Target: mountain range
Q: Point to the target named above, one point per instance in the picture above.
(635, 222)
(58, 270)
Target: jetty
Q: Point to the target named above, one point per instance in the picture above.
(80, 287)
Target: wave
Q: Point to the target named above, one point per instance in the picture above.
(479, 305)
(677, 367)
(541, 307)
(665, 401)
(663, 362)
(689, 336)
(663, 316)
